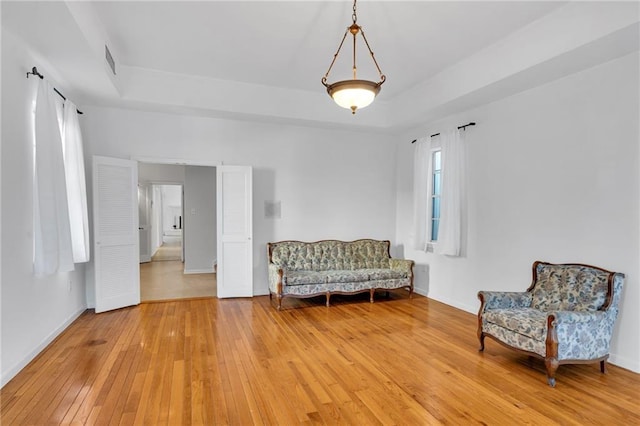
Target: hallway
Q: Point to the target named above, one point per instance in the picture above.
(166, 281)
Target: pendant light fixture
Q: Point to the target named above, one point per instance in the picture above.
(353, 94)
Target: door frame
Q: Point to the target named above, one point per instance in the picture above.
(179, 162)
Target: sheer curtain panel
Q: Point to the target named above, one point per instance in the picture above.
(421, 184)
(52, 236)
(76, 183)
(453, 192)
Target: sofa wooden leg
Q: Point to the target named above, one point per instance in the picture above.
(371, 293)
(481, 338)
(279, 297)
(328, 294)
(552, 366)
(603, 366)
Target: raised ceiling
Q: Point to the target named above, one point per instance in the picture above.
(290, 44)
(264, 59)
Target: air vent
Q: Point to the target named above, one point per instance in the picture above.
(109, 58)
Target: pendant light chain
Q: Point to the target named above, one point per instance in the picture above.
(354, 16)
(354, 30)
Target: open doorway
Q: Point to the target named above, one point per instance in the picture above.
(179, 223)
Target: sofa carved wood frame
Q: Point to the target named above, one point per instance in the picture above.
(551, 360)
(279, 295)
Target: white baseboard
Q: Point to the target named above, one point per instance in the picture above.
(263, 291)
(421, 292)
(199, 271)
(454, 303)
(626, 363)
(11, 372)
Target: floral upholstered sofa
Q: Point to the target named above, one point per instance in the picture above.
(566, 316)
(307, 269)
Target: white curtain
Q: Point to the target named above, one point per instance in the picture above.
(452, 190)
(52, 236)
(421, 184)
(76, 183)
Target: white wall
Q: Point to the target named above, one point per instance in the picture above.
(331, 183)
(34, 311)
(200, 219)
(553, 176)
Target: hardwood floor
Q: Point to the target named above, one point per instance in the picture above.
(239, 361)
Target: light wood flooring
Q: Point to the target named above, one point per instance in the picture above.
(241, 362)
(166, 281)
(171, 249)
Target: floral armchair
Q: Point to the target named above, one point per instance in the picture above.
(566, 316)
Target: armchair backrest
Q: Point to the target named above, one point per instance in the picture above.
(571, 287)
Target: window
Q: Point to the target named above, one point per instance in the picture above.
(436, 178)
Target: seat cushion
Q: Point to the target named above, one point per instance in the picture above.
(385, 274)
(529, 322)
(346, 276)
(305, 277)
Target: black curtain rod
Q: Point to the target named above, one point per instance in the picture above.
(34, 71)
(459, 127)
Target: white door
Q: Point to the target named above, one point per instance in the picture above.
(235, 231)
(115, 230)
(144, 222)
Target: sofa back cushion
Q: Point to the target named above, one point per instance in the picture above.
(569, 288)
(330, 255)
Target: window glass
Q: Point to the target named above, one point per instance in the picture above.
(436, 163)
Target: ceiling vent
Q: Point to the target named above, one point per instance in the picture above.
(109, 58)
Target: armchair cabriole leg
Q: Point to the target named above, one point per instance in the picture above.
(411, 282)
(552, 366)
(551, 358)
(480, 333)
(279, 286)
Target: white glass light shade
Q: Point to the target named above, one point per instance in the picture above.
(353, 94)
